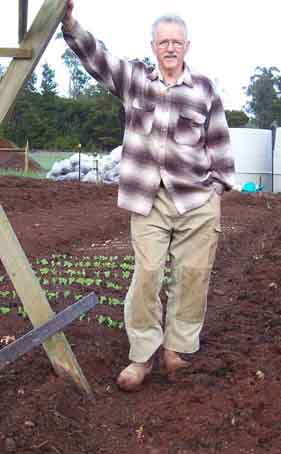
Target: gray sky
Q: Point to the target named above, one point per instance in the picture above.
(229, 38)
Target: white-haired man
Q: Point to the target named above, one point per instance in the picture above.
(176, 163)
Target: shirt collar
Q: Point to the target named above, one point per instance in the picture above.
(185, 78)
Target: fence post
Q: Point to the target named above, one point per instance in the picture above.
(274, 126)
(79, 160)
(26, 157)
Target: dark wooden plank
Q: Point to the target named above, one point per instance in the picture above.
(38, 335)
(23, 14)
(15, 52)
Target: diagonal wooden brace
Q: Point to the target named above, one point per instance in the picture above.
(36, 304)
(38, 335)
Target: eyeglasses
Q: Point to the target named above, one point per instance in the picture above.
(176, 44)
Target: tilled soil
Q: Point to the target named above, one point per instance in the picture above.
(227, 401)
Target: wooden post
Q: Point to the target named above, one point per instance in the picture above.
(37, 38)
(23, 14)
(26, 157)
(36, 304)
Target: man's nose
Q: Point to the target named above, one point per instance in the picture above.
(170, 45)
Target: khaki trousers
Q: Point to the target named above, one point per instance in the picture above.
(190, 240)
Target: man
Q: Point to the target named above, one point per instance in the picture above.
(176, 163)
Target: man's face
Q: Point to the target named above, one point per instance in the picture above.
(170, 46)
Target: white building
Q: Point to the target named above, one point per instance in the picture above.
(255, 161)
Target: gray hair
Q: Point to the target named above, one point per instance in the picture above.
(168, 18)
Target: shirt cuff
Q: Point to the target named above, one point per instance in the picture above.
(219, 187)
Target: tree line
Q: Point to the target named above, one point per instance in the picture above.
(92, 117)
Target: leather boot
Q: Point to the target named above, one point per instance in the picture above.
(133, 375)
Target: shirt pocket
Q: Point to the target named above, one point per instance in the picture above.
(142, 116)
(189, 128)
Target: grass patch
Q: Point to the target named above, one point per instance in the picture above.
(22, 173)
(46, 159)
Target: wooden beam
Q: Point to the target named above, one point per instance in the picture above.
(15, 52)
(38, 335)
(23, 14)
(36, 304)
(37, 38)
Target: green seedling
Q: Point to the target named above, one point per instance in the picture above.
(129, 258)
(83, 317)
(62, 281)
(51, 295)
(113, 285)
(85, 281)
(70, 272)
(5, 310)
(127, 266)
(115, 302)
(87, 264)
(66, 293)
(67, 264)
(103, 300)
(22, 312)
(78, 296)
(109, 322)
(96, 264)
(5, 293)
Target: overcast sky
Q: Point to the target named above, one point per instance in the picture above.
(229, 38)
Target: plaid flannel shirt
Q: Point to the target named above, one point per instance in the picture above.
(175, 133)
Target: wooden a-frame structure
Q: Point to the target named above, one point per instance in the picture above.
(32, 44)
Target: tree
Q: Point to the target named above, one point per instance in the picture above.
(277, 111)
(31, 83)
(236, 118)
(79, 79)
(104, 119)
(264, 94)
(48, 83)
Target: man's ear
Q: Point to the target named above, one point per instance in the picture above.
(153, 47)
(187, 47)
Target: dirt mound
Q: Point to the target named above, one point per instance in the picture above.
(226, 402)
(4, 143)
(15, 160)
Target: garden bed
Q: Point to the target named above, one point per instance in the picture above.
(227, 401)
